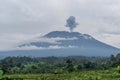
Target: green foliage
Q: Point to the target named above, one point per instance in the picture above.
(4, 68)
(115, 60)
(1, 74)
(80, 67)
(109, 74)
(70, 66)
(118, 69)
(38, 65)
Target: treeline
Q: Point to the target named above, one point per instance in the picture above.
(37, 65)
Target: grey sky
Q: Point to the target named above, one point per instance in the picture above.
(22, 19)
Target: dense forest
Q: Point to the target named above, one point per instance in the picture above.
(40, 65)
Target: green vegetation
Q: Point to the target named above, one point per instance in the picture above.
(81, 75)
(60, 68)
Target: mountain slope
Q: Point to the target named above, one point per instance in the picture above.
(62, 43)
(63, 38)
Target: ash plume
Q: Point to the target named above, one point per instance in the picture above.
(71, 23)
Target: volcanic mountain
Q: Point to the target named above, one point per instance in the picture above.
(63, 43)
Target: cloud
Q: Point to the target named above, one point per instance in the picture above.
(41, 39)
(12, 41)
(30, 17)
(34, 15)
(42, 48)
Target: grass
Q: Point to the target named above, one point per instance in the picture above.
(81, 75)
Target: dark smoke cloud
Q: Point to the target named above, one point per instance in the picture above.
(71, 23)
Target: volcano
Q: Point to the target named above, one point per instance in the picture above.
(63, 43)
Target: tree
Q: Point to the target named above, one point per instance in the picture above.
(112, 60)
(89, 65)
(70, 66)
(80, 66)
(118, 59)
(4, 69)
(15, 70)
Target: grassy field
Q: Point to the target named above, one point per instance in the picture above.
(81, 75)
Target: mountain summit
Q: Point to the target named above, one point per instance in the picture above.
(63, 43)
(65, 34)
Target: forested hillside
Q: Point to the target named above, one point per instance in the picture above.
(30, 65)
